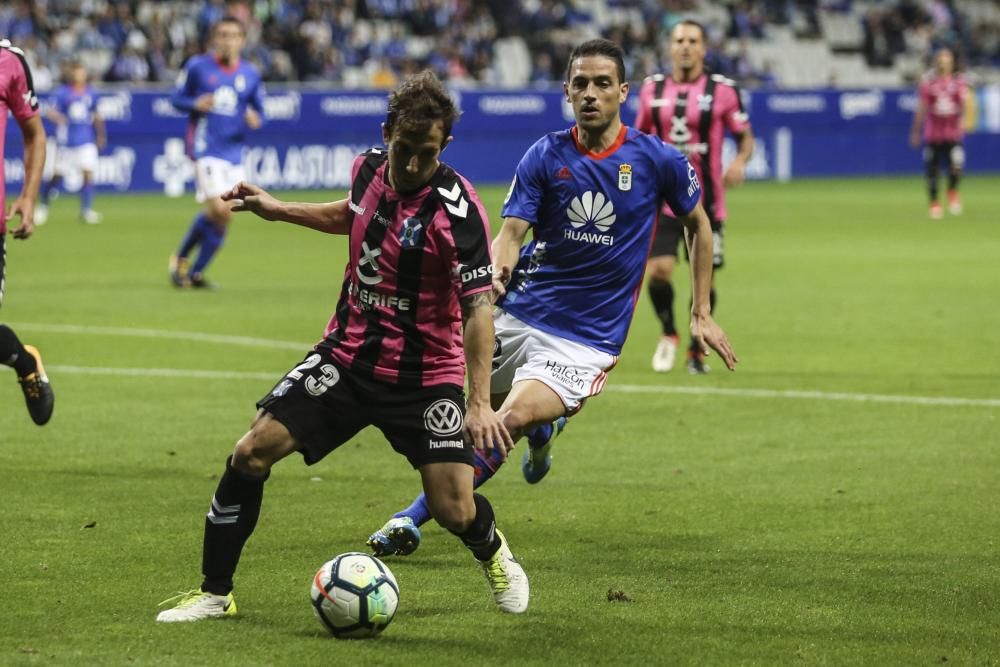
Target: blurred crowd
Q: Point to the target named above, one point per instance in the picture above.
(922, 26)
(375, 42)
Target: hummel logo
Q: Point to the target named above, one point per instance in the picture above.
(591, 207)
(461, 208)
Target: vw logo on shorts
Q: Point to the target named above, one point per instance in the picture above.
(443, 418)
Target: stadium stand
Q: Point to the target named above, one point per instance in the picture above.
(509, 43)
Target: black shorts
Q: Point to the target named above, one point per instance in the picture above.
(323, 405)
(949, 153)
(670, 234)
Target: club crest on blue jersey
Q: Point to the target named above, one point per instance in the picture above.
(409, 234)
(624, 177)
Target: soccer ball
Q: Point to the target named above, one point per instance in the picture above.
(354, 595)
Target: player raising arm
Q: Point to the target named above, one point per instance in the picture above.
(414, 314)
(590, 196)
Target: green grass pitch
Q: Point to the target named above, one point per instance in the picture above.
(768, 516)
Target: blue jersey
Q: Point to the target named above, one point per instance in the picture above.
(220, 132)
(78, 105)
(592, 218)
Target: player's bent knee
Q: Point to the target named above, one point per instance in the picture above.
(660, 269)
(517, 419)
(266, 443)
(454, 515)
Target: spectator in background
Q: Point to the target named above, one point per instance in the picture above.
(130, 64)
(383, 76)
(18, 23)
(745, 22)
(347, 34)
(541, 68)
(878, 52)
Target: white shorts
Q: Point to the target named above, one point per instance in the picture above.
(572, 370)
(214, 176)
(75, 159)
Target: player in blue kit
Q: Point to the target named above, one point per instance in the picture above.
(224, 97)
(80, 136)
(565, 300)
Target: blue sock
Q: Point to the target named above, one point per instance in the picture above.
(193, 236)
(417, 511)
(538, 436)
(211, 240)
(87, 197)
(485, 466)
(47, 189)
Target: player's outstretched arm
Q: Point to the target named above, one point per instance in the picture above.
(482, 425)
(330, 217)
(704, 330)
(34, 161)
(506, 250)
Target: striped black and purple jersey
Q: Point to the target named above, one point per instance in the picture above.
(412, 258)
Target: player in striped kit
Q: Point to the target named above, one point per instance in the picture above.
(414, 315)
(692, 110)
(17, 96)
(939, 123)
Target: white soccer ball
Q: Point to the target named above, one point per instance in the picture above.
(354, 595)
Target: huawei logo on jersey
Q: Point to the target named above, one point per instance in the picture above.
(591, 207)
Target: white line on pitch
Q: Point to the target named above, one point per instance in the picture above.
(162, 333)
(622, 388)
(814, 395)
(193, 373)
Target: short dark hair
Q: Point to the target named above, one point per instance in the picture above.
(419, 102)
(599, 47)
(694, 23)
(229, 19)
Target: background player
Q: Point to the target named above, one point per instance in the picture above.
(17, 95)
(691, 109)
(416, 294)
(939, 123)
(81, 136)
(224, 96)
(589, 195)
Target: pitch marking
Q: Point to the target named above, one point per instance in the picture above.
(289, 345)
